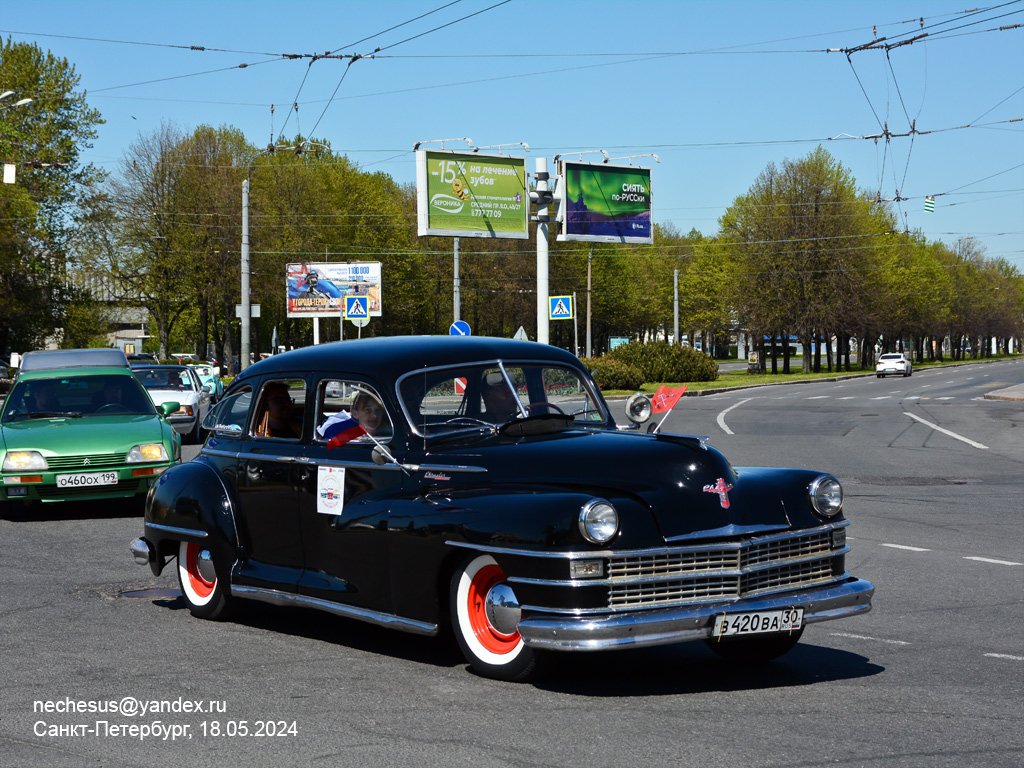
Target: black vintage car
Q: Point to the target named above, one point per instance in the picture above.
(410, 482)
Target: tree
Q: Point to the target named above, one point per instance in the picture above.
(44, 139)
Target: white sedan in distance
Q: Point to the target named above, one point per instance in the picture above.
(893, 363)
(179, 384)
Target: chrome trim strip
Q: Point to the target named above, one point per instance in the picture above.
(276, 597)
(178, 531)
(673, 625)
(727, 545)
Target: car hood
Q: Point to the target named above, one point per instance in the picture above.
(689, 486)
(183, 396)
(90, 434)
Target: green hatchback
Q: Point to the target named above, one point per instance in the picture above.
(80, 426)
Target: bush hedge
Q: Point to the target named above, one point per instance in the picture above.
(613, 374)
(660, 361)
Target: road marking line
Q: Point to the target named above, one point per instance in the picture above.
(904, 546)
(819, 397)
(846, 398)
(994, 562)
(954, 435)
(883, 397)
(1004, 656)
(721, 416)
(865, 637)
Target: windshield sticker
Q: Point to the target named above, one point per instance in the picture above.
(330, 490)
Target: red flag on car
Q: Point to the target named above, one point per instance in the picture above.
(666, 398)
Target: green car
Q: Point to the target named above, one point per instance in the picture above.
(78, 425)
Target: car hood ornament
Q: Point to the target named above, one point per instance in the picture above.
(722, 489)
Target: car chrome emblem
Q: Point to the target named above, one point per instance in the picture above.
(86, 462)
(722, 489)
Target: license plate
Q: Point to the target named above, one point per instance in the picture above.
(86, 479)
(759, 622)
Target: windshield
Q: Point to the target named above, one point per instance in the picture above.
(165, 377)
(487, 395)
(76, 396)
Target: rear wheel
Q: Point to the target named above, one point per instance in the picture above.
(203, 583)
(754, 650)
(485, 614)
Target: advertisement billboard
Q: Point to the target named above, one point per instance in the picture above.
(318, 290)
(605, 203)
(471, 195)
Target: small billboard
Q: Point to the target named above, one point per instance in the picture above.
(461, 194)
(605, 203)
(318, 289)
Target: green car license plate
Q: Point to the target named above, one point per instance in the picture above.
(86, 479)
(759, 622)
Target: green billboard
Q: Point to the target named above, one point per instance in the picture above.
(606, 203)
(471, 195)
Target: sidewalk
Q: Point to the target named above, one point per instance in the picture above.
(1016, 392)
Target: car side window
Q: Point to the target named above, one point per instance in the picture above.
(358, 400)
(279, 410)
(229, 415)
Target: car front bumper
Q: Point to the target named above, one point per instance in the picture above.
(608, 631)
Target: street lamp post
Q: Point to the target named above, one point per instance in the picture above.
(246, 312)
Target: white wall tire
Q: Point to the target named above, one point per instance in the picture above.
(490, 651)
(206, 599)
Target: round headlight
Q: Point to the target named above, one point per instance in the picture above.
(826, 496)
(639, 408)
(599, 521)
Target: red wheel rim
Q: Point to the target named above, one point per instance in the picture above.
(200, 586)
(490, 638)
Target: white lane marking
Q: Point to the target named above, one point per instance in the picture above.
(954, 435)
(994, 562)
(721, 416)
(865, 637)
(1004, 656)
(883, 397)
(904, 546)
(925, 386)
(846, 398)
(819, 397)
(945, 398)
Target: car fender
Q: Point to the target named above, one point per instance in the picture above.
(190, 502)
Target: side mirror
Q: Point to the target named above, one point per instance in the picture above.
(639, 408)
(168, 408)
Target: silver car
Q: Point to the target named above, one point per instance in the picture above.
(179, 384)
(893, 363)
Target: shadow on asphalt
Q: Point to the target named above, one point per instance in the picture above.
(669, 670)
(108, 509)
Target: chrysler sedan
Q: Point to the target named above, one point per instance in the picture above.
(417, 482)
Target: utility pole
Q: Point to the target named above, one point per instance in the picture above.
(543, 288)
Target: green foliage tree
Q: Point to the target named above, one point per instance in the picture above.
(44, 139)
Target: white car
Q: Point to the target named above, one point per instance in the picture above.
(178, 384)
(894, 363)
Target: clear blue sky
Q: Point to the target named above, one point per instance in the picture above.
(716, 89)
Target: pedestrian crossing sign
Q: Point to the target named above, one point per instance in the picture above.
(560, 307)
(356, 307)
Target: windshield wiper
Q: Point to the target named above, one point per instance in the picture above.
(45, 415)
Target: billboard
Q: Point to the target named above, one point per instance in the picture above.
(471, 195)
(605, 203)
(318, 290)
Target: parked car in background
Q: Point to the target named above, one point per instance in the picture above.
(178, 384)
(77, 425)
(415, 481)
(209, 376)
(142, 358)
(893, 363)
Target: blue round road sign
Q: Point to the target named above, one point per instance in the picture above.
(459, 328)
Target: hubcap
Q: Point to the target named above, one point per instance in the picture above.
(204, 562)
(503, 610)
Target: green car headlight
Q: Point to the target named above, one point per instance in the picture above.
(143, 454)
(19, 461)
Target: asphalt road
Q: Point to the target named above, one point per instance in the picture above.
(933, 676)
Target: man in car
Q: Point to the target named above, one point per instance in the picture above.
(500, 403)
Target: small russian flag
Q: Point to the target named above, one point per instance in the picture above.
(339, 428)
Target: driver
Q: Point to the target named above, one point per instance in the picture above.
(500, 402)
(112, 394)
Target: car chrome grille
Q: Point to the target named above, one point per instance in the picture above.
(88, 462)
(728, 571)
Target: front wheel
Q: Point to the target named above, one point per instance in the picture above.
(485, 615)
(203, 583)
(755, 650)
